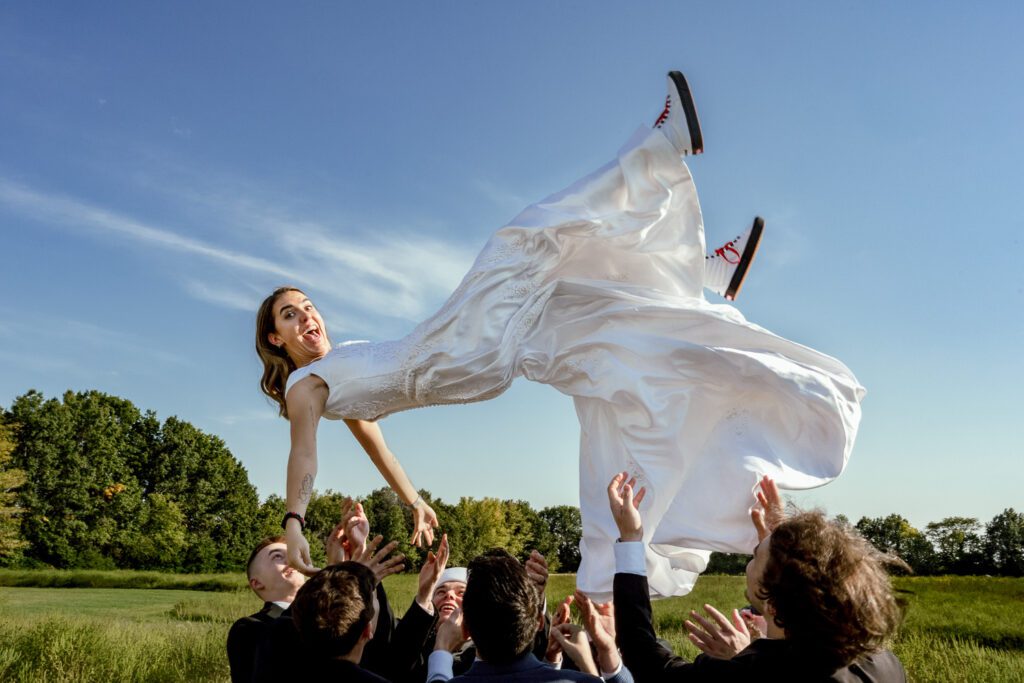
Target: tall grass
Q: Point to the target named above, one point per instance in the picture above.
(82, 649)
(957, 628)
(120, 578)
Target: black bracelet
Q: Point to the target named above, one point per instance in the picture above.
(293, 515)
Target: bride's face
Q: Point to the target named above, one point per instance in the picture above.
(299, 329)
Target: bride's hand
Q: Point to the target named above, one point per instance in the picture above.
(424, 521)
(298, 550)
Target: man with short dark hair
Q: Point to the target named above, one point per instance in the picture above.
(276, 584)
(336, 614)
(273, 580)
(501, 614)
(823, 590)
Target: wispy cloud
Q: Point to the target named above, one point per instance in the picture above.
(378, 272)
(222, 296)
(24, 342)
(65, 211)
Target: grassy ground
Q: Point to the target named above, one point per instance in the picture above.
(957, 629)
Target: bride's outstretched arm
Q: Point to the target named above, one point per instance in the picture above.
(369, 436)
(306, 403)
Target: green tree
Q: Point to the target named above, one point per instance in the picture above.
(11, 479)
(957, 544)
(77, 497)
(566, 528)
(159, 540)
(894, 534)
(482, 527)
(92, 464)
(1004, 543)
(269, 516)
(727, 563)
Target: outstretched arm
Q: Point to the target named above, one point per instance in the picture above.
(369, 436)
(306, 403)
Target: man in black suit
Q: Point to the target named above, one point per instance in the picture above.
(336, 615)
(276, 584)
(501, 614)
(259, 645)
(438, 595)
(823, 590)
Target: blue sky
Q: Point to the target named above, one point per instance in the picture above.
(162, 168)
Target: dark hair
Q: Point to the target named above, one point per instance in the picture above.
(277, 365)
(830, 590)
(269, 540)
(500, 607)
(333, 608)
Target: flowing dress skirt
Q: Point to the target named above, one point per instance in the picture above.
(597, 291)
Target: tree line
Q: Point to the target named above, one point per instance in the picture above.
(91, 481)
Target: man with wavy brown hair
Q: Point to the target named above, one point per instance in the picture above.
(823, 590)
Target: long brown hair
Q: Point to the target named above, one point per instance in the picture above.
(276, 363)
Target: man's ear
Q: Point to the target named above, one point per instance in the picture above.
(367, 633)
(256, 584)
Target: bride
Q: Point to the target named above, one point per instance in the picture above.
(597, 291)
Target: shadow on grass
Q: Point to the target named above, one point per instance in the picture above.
(1008, 641)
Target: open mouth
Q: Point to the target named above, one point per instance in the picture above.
(312, 335)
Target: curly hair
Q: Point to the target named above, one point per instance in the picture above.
(332, 608)
(830, 590)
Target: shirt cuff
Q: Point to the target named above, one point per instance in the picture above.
(612, 674)
(630, 558)
(439, 666)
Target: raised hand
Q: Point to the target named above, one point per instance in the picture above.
(717, 637)
(449, 632)
(563, 615)
(357, 526)
(572, 639)
(298, 549)
(424, 521)
(537, 570)
(349, 535)
(599, 620)
(625, 506)
(430, 572)
(378, 561)
(772, 511)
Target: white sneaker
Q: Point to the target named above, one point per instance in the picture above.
(679, 118)
(726, 268)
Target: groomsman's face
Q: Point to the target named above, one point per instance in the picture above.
(448, 597)
(271, 577)
(755, 570)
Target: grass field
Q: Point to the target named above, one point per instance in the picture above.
(957, 628)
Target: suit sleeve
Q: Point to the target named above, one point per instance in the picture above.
(408, 640)
(377, 654)
(242, 650)
(642, 654)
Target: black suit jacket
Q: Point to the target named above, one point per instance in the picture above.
(338, 670)
(763, 659)
(281, 655)
(244, 637)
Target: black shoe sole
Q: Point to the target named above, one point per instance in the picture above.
(745, 260)
(690, 109)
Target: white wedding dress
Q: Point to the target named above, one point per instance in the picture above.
(597, 291)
